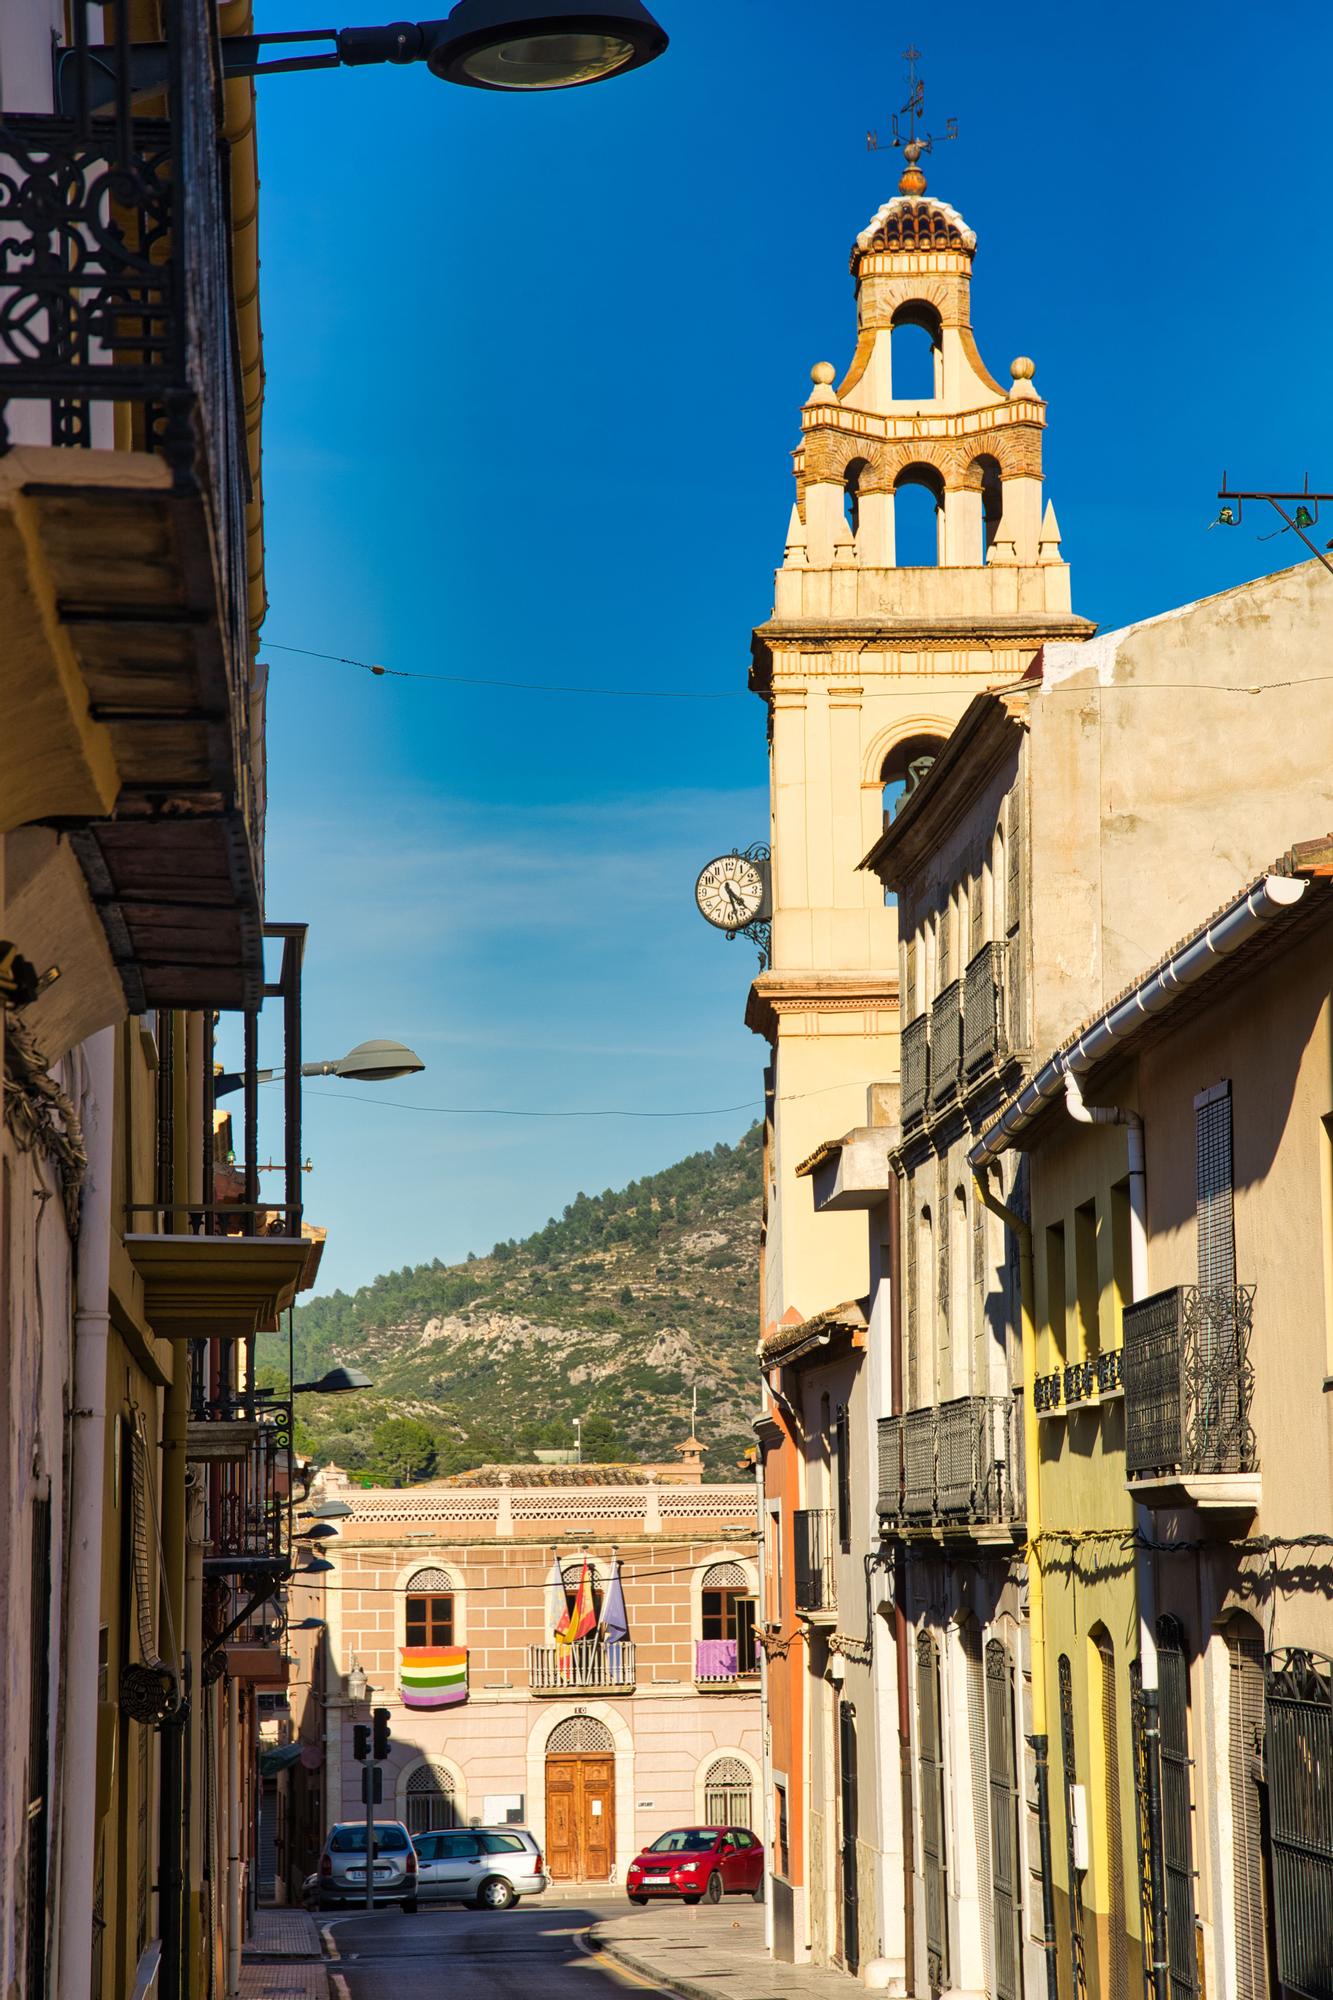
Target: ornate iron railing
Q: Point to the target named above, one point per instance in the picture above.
(955, 1463)
(115, 288)
(813, 1543)
(1188, 1382)
(1298, 1765)
(588, 1663)
(1081, 1382)
(249, 1529)
(914, 1058)
(946, 1044)
(983, 1010)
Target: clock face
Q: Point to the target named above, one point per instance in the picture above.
(730, 892)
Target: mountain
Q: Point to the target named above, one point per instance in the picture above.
(612, 1313)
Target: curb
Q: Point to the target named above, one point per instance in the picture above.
(644, 1970)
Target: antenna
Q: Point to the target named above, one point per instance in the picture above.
(913, 143)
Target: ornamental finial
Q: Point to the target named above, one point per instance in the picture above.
(913, 142)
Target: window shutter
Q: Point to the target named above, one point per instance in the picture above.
(1014, 854)
(1213, 1189)
(976, 908)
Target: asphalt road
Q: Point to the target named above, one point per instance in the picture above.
(529, 1953)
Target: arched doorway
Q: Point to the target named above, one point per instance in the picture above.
(580, 1800)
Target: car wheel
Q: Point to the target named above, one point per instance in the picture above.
(642, 1901)
(496, 1894)
(691, 1899)
(758, 1890)
(714, 1890)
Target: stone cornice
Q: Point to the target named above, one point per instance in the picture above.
(990, 727)
(774, 994)
(989, 634)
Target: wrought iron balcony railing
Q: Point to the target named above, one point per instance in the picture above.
(914, 1059)
(1090, 1381)
(813, 1539)
(588, 1663)
(1189, 1383)
(956, 1464)
(946, 1045)
(984, 1041)
(250, 1504)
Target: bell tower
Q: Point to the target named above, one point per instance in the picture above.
(866, 665)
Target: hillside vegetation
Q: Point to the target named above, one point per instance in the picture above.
(612, 1313)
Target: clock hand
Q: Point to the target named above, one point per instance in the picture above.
(734, 899)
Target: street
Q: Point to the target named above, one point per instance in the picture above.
(486, 1955)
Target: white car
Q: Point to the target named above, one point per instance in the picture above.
(489, 1867)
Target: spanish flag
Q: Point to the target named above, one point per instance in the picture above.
(433, 1676)
(583, 1618)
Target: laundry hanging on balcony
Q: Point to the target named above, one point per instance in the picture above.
(433, 1676)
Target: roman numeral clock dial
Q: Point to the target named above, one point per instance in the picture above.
(733, 894)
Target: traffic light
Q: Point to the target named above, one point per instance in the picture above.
(380, 1718)
(361, 1741)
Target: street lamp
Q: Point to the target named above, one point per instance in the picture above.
(313, 1566)
(337, 1382)
(489, 44)
(368, 1062)
(328, 1510)
(358, 1687)
(320, 1532)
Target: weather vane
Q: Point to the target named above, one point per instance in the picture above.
(913, 143)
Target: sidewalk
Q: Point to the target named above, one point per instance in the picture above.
(283, 1958)
(713, 1953)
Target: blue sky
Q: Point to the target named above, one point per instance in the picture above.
(534, 368)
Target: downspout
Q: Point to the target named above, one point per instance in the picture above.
(235, 1880)
(1145, 1581)
(1040, 1737)
(88, 1421)
(900, 1612)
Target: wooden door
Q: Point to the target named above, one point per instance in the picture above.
(580, 1818)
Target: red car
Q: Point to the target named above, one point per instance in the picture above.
(699, 1863)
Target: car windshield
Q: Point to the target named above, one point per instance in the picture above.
(684, 1840)
(352, 1840)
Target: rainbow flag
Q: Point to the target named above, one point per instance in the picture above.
(433, 1676)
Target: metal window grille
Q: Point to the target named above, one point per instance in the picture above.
(812, 1548)
(946, 1043)
(1002, 1761)
(728, 1793)
(1077, 1964)
(843, 1448)
(891, 1468)
(579, 1735)
(930, 1764)
(1177, 1810)
(1142, 1829)
(1189, 1382)
(430, 1803)
(725, 1576)
(1246, 1719)
(1115, 1985)
(1213, 1192)
(919, 1465)
(983, 1014)
(914, 1059)
(1298, 1764)
(970, 1636)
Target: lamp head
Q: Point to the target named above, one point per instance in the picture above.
(335, 1383)
(313, 1566)
(542, 44)
(329, 1510)
(320, 1532)
(376, 1062)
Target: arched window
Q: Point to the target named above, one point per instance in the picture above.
(728, 1611)
(851, 486)
(918, 510)
(580, 1736)
(728, 1793)
(431, 1801)
(904, 768)
(915, 353)
(429, 1609)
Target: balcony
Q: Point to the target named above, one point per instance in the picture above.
(717, 1663)
(1082, 1385)
(914, 1056)
(946, 1045)
(1188, 1391)
(248, 1506)
(984, 1042)
(124, 483)
(816, 1580)
(955, 1466)
(589, 1664)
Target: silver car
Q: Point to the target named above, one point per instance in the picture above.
(342, 1865)
(489, 1867)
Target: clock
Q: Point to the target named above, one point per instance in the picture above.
(732, 892)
